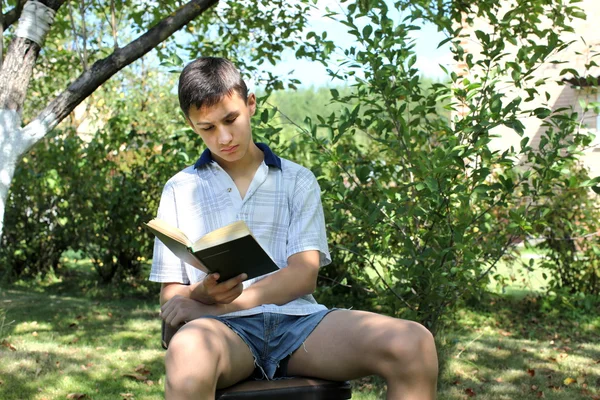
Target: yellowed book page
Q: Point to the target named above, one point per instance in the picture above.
(170, 231)
(225, 234)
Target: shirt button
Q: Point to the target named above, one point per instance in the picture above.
(229, 189)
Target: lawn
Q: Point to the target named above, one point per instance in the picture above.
(59, 341)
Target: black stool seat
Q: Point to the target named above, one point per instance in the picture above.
(288, 389)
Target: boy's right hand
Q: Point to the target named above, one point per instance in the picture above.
(210, 291)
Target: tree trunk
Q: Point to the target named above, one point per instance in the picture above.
(10, 149)
(16, 74)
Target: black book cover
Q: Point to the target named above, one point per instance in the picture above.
(243, 255)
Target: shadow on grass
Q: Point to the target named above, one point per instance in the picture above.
(64, 344)
(56, 374)
(519, 348)
(69, 319)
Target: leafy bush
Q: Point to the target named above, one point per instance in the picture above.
(421, 208)
(571, 235)
(93, 195)
(39, 219)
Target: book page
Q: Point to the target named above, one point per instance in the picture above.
(225, 234)
(170, 231)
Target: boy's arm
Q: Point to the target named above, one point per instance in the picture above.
(299, 278)
(207, 291)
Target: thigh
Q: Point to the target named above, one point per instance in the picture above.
(350, 344)
(212, 346)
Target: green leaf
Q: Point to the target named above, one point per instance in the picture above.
(412, 61)
(542, 112)
(264, 116)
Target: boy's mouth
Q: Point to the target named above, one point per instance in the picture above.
(229, 149)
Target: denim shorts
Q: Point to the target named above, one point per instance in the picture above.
(272, 338)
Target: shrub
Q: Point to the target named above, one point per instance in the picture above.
(420, 207)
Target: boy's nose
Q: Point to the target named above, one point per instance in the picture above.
(224, 136)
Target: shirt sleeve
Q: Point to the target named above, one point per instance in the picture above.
(166, 266)
(307, 222)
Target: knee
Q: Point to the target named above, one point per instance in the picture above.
(411, 349)
(191, 360)
(192, 341)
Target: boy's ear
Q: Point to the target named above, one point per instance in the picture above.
(251, 102)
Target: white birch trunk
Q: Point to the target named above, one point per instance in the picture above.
(10, 151)
(14, 142)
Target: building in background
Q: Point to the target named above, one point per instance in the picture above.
(575, 94)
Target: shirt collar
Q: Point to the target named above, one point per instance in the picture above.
(270, 158)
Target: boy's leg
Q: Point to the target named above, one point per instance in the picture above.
(205, 355)
(350, 344)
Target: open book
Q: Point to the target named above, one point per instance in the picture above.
(230, 250)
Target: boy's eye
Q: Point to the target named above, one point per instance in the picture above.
(231, 121)
(207, 129)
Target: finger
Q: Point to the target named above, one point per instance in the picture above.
(232, 294)
(213, 279)
(229, 295)
(209, 284)
(175, 320)
(170, 308)
(233, 282)
(172, 302)
(164, 308)
(169, 304)
(165, 316)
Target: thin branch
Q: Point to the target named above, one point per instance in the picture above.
(399, 297)
(83, 34)
(355, 286)
(103, 69)
(76, 37)
(569, 238)
(469, 344)
(113, 23)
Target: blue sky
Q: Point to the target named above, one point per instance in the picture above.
(314, 74)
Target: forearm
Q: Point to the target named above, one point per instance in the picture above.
(178, 306)
(299, 278)
(279, 288)
(170, 290)
(208, 291)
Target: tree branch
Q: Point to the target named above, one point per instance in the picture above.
(103, 69)
(13, 15)
(18, 66)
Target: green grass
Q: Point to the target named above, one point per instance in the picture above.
(517, 349)
(61, 337)
(58, 345)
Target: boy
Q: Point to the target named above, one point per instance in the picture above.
(271, 326)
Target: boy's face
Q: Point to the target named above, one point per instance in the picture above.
(225, 127)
